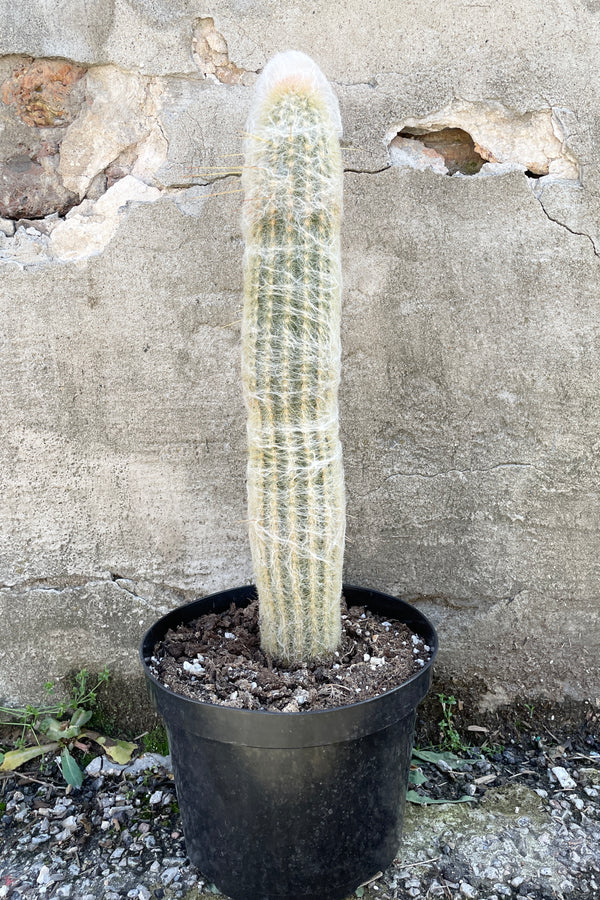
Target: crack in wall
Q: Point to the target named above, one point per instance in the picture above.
(449, 473)
(508, 465)
(367, 171)
(538, 196)
(166, 595)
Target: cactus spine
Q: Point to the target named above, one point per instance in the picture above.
(291, 357)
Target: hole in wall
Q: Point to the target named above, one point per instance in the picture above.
(486, 138)
(453, 147)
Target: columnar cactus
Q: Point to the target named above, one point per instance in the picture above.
(292, 179)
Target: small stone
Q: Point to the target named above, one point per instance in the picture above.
(44, 875)
(40, 839)
(546, 872)
(64, 890)
(563, 778)
(517, 882)
(169, 875)
(156, 798)
(467, 890)
(94, 767)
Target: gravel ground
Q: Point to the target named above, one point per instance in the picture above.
(530, 829)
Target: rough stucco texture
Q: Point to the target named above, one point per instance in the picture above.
(471, 328)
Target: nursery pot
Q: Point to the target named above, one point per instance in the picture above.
(291, 806)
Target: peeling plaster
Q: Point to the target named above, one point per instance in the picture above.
(535, 141)
(85, 231)
(211, 54)
(122, 113)
(94, 145)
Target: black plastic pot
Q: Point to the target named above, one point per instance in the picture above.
(292, 806)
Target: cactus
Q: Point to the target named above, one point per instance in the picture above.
(292, 179)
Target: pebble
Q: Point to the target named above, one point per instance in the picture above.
(563, 778)
(139, 853)
(169, 875)
(44, 875)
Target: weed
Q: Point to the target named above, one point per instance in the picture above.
(155, 741)
(450, 738)
(492, 749)
(81, 696)
(61, 733)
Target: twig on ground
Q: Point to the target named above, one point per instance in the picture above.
(425, 862)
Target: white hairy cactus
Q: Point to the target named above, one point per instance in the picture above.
(292, 179)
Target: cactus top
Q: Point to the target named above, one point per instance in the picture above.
(291, 357)
(286, 70)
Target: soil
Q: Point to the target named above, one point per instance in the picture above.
(217, 659)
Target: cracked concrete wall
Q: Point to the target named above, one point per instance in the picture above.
(471, 329)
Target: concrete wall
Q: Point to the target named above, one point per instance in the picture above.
(471, 333)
